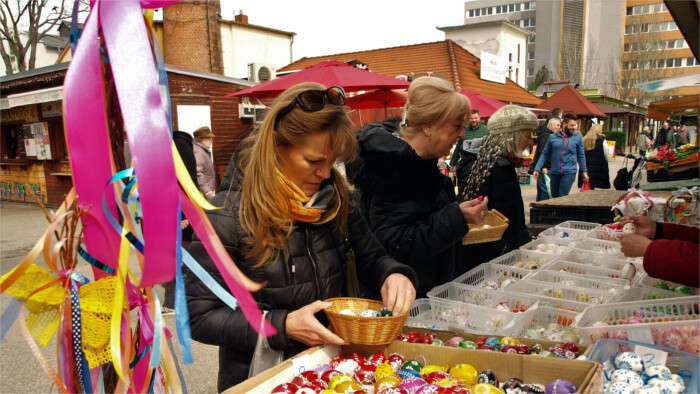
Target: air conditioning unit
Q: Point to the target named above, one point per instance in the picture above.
(260, 111)
(261, 72)
(250, 111)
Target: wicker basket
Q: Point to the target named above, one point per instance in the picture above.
(363, 330)
(477, 234)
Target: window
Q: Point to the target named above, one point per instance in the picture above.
(498, 9)
(532, 21)
(681, 44)
(645, 9)
(530, 55)
(530, 72)
(471, 14)
(526, 23)
(625, 65)
(490, 9)
(526, 6)
(628, 29)
(690, 61)
(516, 75)
(517, 7)
(669, 63)
(518, 53)
(532, 38)
(533, 5)
(630, 10)
(511, 7)
(678, 62)
(477, 12)
(510, 57)
(627, 47)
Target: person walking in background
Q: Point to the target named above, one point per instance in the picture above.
(488, 169)
(565, 148)
(474, 130)
(682, 136)
(672, 137)
(596, 159)
(409, 204)
(206, 176)
(543, 133)
(661, 135)
(643, 141)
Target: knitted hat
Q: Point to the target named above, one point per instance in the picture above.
(511, 118)
(203, 132)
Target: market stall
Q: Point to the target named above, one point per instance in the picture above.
(679, 164)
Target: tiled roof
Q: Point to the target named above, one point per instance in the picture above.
(571, 101)
(441, 58)
(611, 109)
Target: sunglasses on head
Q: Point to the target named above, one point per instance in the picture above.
(314, 100)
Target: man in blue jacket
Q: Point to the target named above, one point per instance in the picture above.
(565, 149)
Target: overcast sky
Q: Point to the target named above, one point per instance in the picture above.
(332, 26)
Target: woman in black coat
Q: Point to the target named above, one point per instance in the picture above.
(596, 159)
(284, 211)
(411, 207)
(487, 168)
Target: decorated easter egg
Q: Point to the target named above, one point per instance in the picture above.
(676, 378)
(377, 358)
(396, 361)
(436, 376)
(513, 384)
(628, 228)
(336, 380)
(509, 341)
(347, 367)
(328, 375)
(428, 369)
(454, 341)
(666, 386)
(464, 372)
(629, 360)
(647, 389)
(429, 389)
(305, 390)
(287, 388)
(322, 368)
(536, 348)
(412, 385)
(682, 289)
(408, 373)
(448, 382)
(491, 341)
(328, 391)
(619, 388)
(347, 387)
(384, 369)
(386, 382)
(485, 388)
(532, 388)
(622, 375)
(628, 271)
(412, 364)
(487, 376)
(468, 345)
(316, 385)
(560, 386)
(369, 313)
(656, 371)
(394, 390)
(412, 336)
(437, 342)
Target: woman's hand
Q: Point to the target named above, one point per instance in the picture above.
(585, 177)
(398, 294)
(642, 225)
(303, 326)
(634, 245)
(536, 174)
(472, 210)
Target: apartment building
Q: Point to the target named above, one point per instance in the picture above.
(520, 13)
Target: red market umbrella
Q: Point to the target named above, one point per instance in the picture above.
(485, 104)
(328, 73)
(380, 98)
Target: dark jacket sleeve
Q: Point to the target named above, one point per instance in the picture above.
(581, 157)
(187, 155)
(211, 320)
(373, 263)
(546, 152)
(411, 238)
(673, 260)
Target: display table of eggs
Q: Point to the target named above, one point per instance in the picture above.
(398, 375)
(568, 350)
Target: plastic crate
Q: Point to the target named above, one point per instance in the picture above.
(671, 322)
(565, 279)
(459, 317)
(589, 271)
(524, 258)
(598, 246)
(685, 364)
(576, 225)
(564, 246)
(648, 281)
(458, 292)
(602, 260)
(647, 293)
(491, 273)
(562, 233)
(604, 234)
(561, 297)
(542, 316)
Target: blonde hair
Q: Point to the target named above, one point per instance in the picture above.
(432, 101)
(512, 146)
(265, 215)
(591, 136)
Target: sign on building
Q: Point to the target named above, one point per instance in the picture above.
(493, 68)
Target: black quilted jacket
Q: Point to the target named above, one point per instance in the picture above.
(313, 272)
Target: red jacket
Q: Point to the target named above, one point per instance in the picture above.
(673, 255)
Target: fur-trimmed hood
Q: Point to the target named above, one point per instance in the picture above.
(388, 165)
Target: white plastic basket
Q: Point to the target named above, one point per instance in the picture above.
(562, 245)
(542, 316)
(601, 260)
(576, 225)
(604, 234)
(648, 281)
(598, 246)
(562, 297)
(458, 292)
(561, 233)
(523, 258)
(647, 293)
(588, 271)
(459, 317)
(488, 273)
(671, 322)
(565, 279)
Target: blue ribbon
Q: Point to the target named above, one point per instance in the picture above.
(9, 316)
(208, 281)
(177, 365)
(182, 317)
(139, 357)
(157, 333)
(93, 261)
(74, 31)
(81, 364)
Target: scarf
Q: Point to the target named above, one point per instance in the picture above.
(310, 209)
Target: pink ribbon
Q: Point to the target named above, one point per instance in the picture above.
(638, 193)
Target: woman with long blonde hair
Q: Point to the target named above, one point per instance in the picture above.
(596, 159)
(287, 221)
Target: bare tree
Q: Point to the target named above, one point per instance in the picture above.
(39, 17)
(569, 64)
(642, 59)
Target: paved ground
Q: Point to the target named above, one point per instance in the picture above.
(20, 227)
